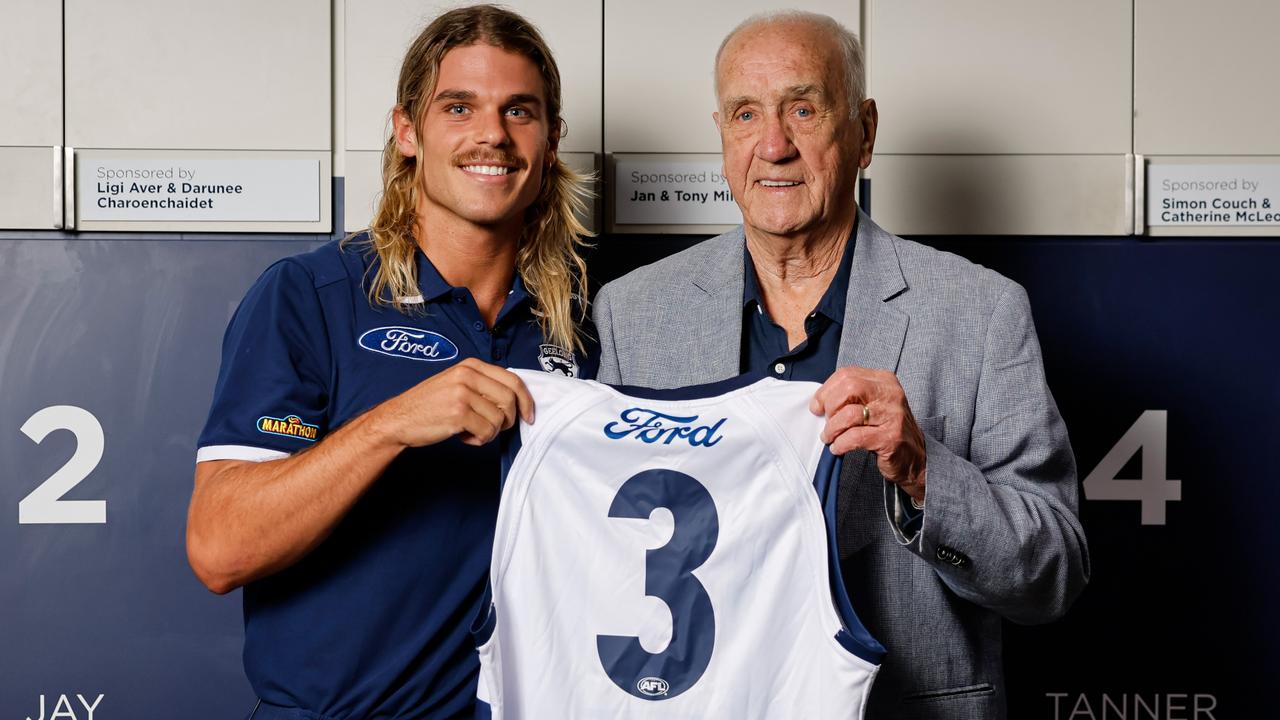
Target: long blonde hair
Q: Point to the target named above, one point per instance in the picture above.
(547, 259)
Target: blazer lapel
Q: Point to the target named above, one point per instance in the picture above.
(714, 340)
(874, 332)
(873, 337)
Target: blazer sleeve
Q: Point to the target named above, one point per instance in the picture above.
(601, 315)
(1001, 528)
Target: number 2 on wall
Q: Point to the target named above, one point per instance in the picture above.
(44, 504)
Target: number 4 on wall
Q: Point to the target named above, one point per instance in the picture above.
(1150, 435)
(44, 505)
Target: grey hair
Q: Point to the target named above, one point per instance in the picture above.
(855, 80)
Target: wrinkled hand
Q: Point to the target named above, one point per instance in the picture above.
(867, 410)
(473, 400)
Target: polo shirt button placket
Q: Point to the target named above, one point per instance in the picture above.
(496, 347)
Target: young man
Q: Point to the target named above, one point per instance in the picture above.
(345, 478)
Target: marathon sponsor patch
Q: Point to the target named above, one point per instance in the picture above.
(291, 426)
(555, 359)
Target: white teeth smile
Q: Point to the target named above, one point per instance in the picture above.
(487, 169)
(778, 183)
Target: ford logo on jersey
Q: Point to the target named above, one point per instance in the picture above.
(652, 426)
(411, 343)
(652, 686)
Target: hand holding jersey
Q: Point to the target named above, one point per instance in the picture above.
(473, 400)
(284, 508)
(867, 409)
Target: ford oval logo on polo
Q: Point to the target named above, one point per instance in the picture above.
(411, 343)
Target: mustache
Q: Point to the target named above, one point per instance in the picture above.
(489, 157)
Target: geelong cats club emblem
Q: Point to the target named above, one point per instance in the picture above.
(555, 359)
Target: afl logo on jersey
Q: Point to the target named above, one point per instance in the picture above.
(555, 359)
(652, 686)
(409, 343)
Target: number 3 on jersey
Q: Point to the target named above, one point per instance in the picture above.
(668, 577)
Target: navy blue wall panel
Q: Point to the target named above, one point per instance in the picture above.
(1179, 614)
(129, 330)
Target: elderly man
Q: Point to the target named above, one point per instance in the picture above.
(932, 379)
(346, 477)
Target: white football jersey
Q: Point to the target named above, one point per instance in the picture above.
(665, 554)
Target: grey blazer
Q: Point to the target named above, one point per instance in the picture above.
(1001, 537)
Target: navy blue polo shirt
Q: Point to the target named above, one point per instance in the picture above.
(375, 622)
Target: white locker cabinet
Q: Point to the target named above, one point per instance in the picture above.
(376, 35)
(192, 74)
(31, 119)
(1001, 76)
(1204, 77)
(1002, 117)
(30, 73)
(658, 64)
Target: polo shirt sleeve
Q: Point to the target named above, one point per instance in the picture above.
(272, 395)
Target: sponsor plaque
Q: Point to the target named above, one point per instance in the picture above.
(154, 190)
(667, 190)
(1242, 195)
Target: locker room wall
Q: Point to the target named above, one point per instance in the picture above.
(1159, 350)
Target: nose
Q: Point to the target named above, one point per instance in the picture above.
(775, 144)
(492, 129)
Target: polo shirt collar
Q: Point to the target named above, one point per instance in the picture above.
(430, 283)
(433, 285)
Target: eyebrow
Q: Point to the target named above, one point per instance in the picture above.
(467, 95)
(804, 91)
(525, 99)
(794, 91)
(451, 94)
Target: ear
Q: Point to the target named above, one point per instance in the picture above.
(406, 135)
(553, 141)
(869, 118)
(715, 118)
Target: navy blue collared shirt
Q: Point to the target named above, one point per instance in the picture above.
(375, 622)
(764, 342)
